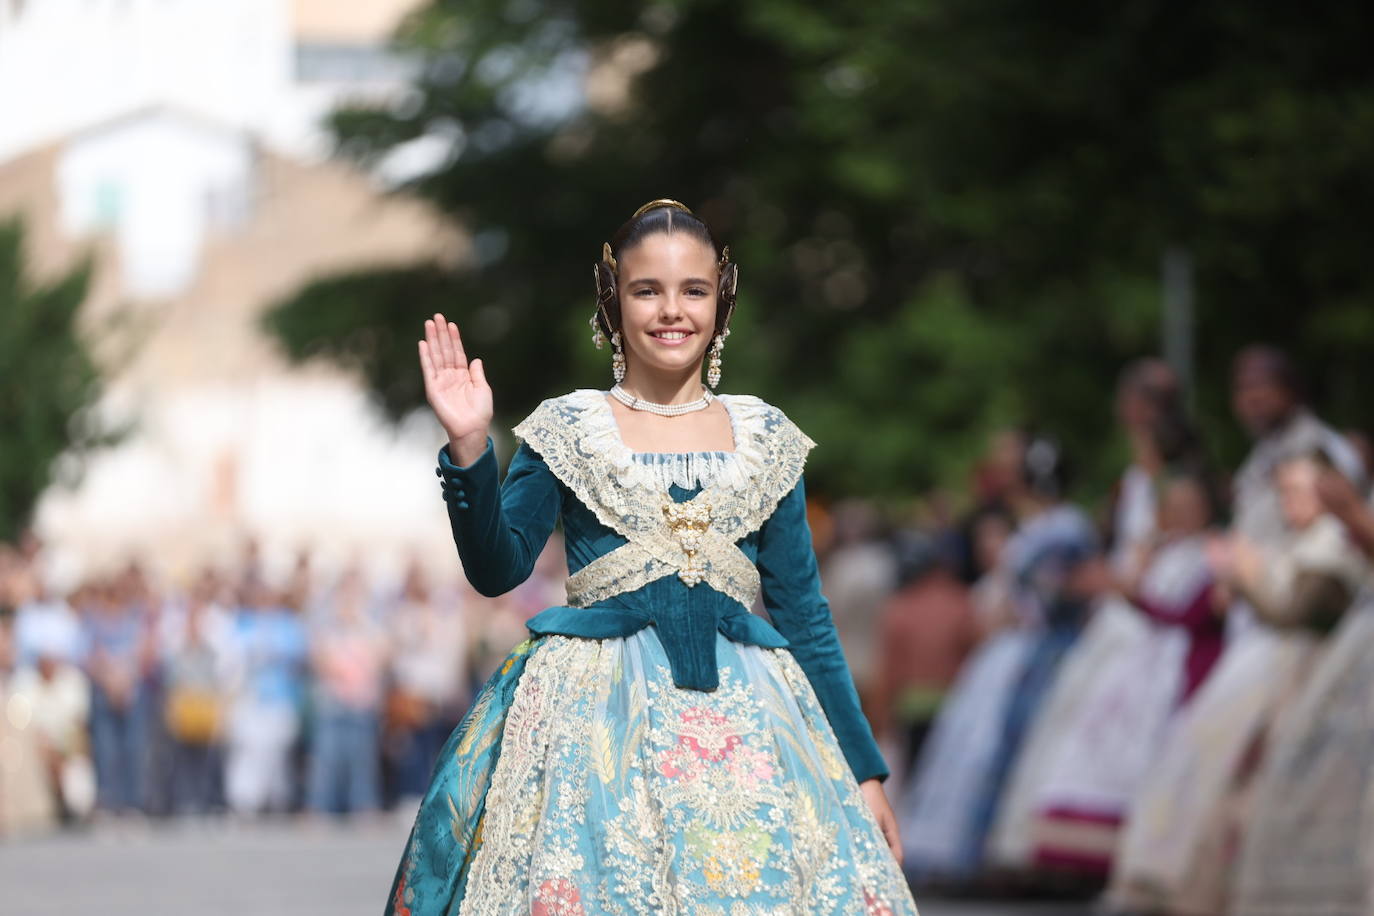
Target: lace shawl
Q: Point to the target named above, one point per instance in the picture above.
(578, 439)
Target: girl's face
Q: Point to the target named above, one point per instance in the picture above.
(667, 304)
(1183, 508)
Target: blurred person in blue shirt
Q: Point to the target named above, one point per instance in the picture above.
(268, 664)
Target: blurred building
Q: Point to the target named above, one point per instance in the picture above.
(180, 143)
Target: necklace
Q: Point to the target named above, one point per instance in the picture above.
(663, 410)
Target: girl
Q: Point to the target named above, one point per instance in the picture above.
(653, 747)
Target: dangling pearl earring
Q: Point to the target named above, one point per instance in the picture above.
(617, 358)
(713, 367)
(598, 338)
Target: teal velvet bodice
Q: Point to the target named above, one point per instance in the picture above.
(500, 529)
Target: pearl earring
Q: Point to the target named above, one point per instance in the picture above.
(617, 358)
(713, 366)
(598, 338)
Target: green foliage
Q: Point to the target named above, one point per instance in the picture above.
(47, 381)
(950, 214)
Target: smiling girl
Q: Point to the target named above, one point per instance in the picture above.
(654, 747)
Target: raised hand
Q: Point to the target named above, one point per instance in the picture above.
(456, 389)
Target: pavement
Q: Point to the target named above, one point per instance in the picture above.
(281, 868)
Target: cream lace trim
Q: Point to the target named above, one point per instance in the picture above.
(689, 469)
(577, 437)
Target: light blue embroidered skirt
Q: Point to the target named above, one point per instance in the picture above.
(583, 782)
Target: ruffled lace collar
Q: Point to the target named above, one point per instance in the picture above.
(689, 470)
(578, 440)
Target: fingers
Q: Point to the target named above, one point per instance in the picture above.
(460, 357)
(478, 371)
(436, 353)
(452, 342)
(447, 355)
(894, 838)
(426, 363)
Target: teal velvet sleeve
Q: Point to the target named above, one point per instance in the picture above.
(499, 529)
(792, 596)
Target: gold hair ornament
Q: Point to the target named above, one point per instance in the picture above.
(667, 202)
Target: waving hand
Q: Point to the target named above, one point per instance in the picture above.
(456, 389)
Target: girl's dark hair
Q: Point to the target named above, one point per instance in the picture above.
(666, 220)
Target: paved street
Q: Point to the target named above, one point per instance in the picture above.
(293, 869)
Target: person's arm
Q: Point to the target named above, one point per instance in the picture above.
(792, 596)
(499, 530)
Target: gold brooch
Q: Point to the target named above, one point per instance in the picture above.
(688, 522)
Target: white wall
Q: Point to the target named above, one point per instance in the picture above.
(159, 183)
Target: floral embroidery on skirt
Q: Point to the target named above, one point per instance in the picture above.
(584, 782)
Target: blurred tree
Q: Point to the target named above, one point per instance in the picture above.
(47, 382)
(949, 214)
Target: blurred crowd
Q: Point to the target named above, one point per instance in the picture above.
(235, 693)
(1167, 703)
(1168, 700)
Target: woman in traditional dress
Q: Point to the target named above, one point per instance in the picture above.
(1306, 846)
(1120, 682)
(962, 770)
(1096, 755)
(1178, 852)
(653, 747)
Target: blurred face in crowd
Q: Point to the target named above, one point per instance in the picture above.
(667, 303)
(1298, 495)
(1133, 409)
(999, 474)
(990, 537)
(1183, 507)
(1260, 400)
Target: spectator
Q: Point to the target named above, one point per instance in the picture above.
(1179, 853)
(194, 710)
(27, 804)
(54, 696)
(119, 730)
(429, 691)
(349, 655)
(859, 572)
(926, 629)
(269, 662)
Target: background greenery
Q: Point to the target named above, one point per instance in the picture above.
(949, 214)
(46, 380)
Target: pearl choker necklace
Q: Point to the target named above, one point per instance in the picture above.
(663, 410)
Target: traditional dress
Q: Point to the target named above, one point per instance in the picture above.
(953, 803)
(1306, 846)
(1305, 852)
(1106, 720)
(654, 747)
(1179, 850)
